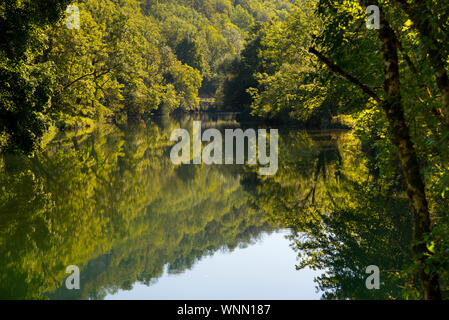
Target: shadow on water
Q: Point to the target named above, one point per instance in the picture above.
(113, 203)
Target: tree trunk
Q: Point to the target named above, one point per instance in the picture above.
(401, 138)
(392, 105)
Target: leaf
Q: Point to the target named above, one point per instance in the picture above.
(431, 247)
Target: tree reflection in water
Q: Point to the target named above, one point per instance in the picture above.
(112, 203)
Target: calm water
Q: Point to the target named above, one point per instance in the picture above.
(112, 203)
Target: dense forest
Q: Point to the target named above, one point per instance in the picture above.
(313, 63)
(127, 59)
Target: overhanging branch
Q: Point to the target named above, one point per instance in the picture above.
(345, 74)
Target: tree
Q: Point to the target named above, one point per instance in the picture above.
(432, 27)
(23, 99)
(393, 108)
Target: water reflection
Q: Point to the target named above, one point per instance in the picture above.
(342, 217)
(112, 203)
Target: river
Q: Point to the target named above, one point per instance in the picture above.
(111, 202)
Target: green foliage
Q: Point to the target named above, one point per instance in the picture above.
(25, 89)
(131, 59)
(128, 59)
(238, 73)
(289, 83)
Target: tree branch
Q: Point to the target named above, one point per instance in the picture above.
(103, 72)
(345, 74)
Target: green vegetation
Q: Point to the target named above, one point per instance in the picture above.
(312, 62)
(322, 61)
(128, 59)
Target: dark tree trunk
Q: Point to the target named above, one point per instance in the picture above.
(401, 137)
